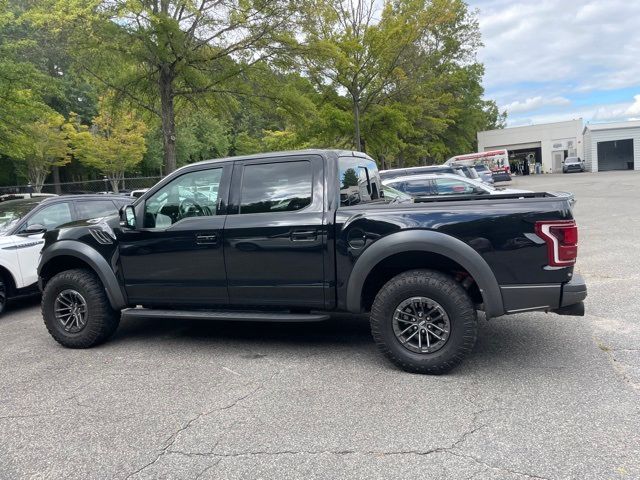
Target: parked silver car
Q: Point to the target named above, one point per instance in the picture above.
(432, 184)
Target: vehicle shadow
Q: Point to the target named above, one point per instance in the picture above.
(17, 305)
(343, 329)
(509, 341)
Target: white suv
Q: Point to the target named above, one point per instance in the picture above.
(23, 222)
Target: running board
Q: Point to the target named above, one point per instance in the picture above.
(235, 316)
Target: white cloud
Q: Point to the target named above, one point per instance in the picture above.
(533, 103)
(552, 60)
(634, 108)
(614, 112)
(585, 45)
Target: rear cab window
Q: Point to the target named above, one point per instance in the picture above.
(359, 180)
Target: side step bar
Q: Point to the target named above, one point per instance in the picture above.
(232, 315)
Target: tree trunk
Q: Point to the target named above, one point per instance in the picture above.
(400, 160)
(115, 180)
(356, 124)
(56, 180)
(165, 84)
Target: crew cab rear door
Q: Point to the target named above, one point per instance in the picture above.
(275, 233)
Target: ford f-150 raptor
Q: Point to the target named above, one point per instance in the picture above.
(295, 236)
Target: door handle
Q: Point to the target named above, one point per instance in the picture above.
(303, 235)
(206, 238)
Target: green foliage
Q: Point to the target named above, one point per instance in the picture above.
(113, 145)
(196, 80)
(46, 145)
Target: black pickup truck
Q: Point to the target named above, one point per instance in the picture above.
(295, 236)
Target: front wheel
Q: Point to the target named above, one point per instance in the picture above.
(424, 322)
(76, 310)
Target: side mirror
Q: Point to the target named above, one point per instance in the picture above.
(34, 229)
(128, 217)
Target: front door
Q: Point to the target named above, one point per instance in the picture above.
(275, 235)
(175, 256)
(558, 159)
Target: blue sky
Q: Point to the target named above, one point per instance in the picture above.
(549, 61)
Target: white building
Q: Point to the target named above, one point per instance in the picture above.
(612, 146)
(546, 144)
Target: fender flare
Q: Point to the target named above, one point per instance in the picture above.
(90, 256)
(432, 242)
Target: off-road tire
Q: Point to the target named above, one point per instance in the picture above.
(450, 295)
(102, 320)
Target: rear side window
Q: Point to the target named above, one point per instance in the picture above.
(93, 209)
(450, 186)
(416, 188)
(276, 187)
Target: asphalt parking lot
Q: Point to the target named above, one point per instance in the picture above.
(542, 396)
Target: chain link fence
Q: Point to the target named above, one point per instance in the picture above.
(88, 186)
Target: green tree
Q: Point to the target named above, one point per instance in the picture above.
(348, 48)
(350, 178)
(161, 54)
(45, 146)
(114, 143)
(22, 88)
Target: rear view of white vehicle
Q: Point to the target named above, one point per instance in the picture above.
(572, 164)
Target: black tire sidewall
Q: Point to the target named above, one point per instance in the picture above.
(455, 302)
(87, 284)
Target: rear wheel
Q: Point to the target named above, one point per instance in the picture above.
(424, 322)
(76, 310)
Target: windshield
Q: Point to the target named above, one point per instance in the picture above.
(473, 173)
(12, 211)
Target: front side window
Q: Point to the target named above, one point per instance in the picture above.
(193, 194)
(52, 216)
(451, 186)
(276, 187)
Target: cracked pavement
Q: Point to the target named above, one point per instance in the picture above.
(541, 396)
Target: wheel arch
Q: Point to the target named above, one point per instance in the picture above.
(68, 254)
(435, 245)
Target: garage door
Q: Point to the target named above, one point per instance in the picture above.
(615, 155)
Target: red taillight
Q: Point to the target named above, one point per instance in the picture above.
(561, 237)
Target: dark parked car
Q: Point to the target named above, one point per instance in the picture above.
(22, 224)
(484, 173)
(275, 243)
(501, 176)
